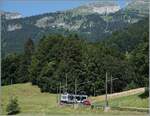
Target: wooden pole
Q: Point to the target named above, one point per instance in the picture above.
(66, 83)
(106, 99)
(111, 85)
(75, 86)
(59, 92)
(75, 92)
(94, 90)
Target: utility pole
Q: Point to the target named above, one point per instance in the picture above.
(11, 94)
(94, 90)
(57, 96)
(106, 108)
(75, 86)
(75, 92)
(66, 83)
(111, 84)
(59, 92)
(106, 100)
(11, 81)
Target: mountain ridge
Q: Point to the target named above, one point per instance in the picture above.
(92, 26)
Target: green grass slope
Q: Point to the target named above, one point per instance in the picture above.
(132, 101)
(30, 98)
(33, 102)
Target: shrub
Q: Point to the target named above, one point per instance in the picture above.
(131, 85)
(13, 106)
(145, 94)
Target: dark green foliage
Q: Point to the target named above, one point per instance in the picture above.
(23, 68)
(131, 85)
(130, 37)
(15, 66)
(145, 94)
(13, 106)
(57, 57)
(140, 62)
(10, 67)
(26, 61)
(29, 48)
(134, 44)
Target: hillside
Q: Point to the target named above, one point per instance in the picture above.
(129, 99)
(129, 38)
(32, 101)
(87, 21)
(120, 94)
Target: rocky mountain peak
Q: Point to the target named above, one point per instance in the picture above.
(10, 15)
(100, 7)
(139, 6)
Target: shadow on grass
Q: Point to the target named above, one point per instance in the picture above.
(145, 94)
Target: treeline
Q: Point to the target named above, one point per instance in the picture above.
(15, 66)
(58, 59)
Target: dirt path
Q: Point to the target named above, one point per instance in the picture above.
(120, 94)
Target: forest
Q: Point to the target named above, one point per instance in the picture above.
(57, 59)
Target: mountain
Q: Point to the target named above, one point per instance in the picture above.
(10, 15)
(139, 6)
(100, 7)
(95, 22)
(128, 39)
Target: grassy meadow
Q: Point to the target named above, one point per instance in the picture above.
(128, 101)
(33, 102)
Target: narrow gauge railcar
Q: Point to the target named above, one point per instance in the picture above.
(71, 98)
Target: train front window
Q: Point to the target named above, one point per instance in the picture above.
(64, 97)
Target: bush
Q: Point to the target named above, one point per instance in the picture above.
(145, 94)
(131, 85)
(13, 106)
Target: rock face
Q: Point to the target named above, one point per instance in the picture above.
(105, 9)
(13, 27)
(139, 6)
(62, 18)
(100, 7)
(11, 15)
(44, 22)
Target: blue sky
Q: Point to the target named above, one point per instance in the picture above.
(33, 7)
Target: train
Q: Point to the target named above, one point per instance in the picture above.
(72, 98)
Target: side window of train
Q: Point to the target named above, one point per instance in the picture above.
(70, 97)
